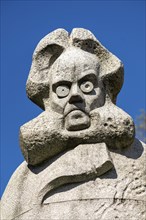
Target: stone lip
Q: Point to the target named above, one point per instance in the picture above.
(52, 46)
(73, 108)
(77, 120)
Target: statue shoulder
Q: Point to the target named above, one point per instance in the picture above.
(13, 191)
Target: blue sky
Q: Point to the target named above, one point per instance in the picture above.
(118, 25)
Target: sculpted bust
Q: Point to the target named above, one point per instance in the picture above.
(82, 160)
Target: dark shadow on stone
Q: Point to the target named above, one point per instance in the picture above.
(111, 174)
(63, 188)
(40, 167)
(134, 151)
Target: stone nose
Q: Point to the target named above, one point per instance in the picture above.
(75, 94)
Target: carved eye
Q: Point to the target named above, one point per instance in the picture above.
(87, 87)
(62, 91)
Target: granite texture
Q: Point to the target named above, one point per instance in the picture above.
(119, 193)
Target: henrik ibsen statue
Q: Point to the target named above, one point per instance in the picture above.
(82, 160)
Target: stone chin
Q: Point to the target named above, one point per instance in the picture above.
(77, 120)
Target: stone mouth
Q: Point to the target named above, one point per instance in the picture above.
(75, 110)
(76, 113)
(77, 120)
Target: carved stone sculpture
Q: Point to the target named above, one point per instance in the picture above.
(82, 160)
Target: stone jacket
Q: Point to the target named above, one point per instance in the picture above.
(71, 187)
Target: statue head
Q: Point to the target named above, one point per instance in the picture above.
(76, 81)
(61, 50)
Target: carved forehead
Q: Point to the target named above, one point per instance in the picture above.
(74, 61)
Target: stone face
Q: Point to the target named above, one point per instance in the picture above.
(82, 161)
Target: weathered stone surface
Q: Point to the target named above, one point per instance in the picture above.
(82, 160)
(39, 137)
(117, 194)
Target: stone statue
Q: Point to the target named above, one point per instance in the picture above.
(82, 160)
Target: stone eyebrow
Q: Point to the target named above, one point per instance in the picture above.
(61, 82)
(91, 76)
